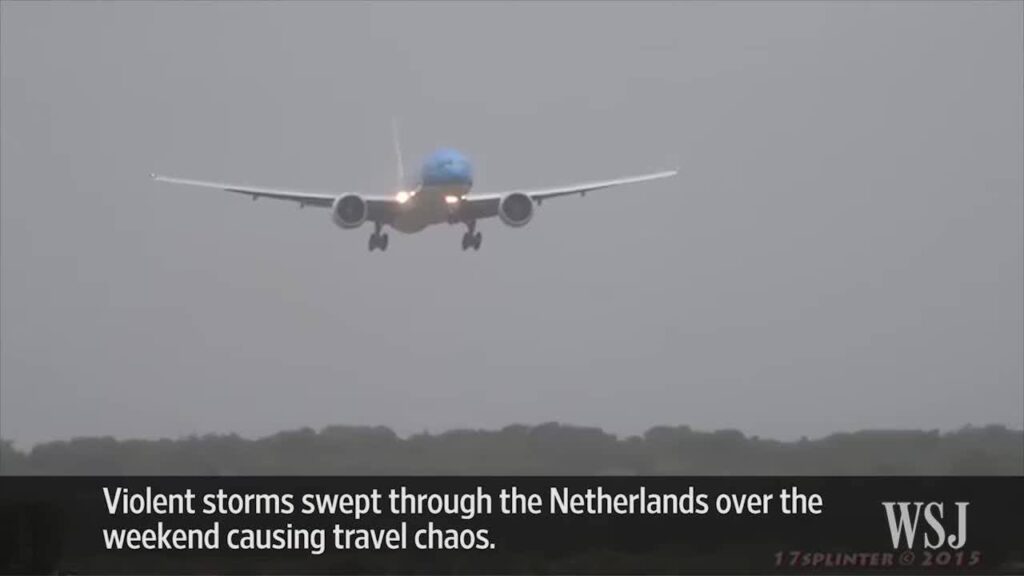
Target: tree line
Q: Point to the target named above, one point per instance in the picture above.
(526, 450)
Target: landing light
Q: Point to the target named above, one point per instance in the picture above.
(403, 197)
(451, 199)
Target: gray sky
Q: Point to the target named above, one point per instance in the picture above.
(843, 247)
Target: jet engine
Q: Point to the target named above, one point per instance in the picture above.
(349, 211)
(516, 209)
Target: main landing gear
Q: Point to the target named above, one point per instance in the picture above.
(378, 240)
(472, 239)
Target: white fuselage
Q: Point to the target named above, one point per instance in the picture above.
(428, 205)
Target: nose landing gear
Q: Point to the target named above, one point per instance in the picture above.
(377, 239)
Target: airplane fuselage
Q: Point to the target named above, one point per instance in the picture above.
(445, 178)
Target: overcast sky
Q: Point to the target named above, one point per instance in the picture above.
(842, 249)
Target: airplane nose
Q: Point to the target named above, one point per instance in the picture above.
(448, 168)
(455, 167)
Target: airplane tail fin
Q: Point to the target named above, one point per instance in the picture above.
(398, 153)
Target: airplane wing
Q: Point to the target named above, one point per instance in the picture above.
(303, 198)
(541, 194)
(484, 205)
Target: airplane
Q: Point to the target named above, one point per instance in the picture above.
(441, 195)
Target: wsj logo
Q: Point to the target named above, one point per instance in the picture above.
(903, 523)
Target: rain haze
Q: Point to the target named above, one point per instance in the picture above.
(841, 250)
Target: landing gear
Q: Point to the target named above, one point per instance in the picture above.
(472, 239)
(377, 239)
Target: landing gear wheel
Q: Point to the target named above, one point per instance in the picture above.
(478, 238)
(471, 239)
(378, 241)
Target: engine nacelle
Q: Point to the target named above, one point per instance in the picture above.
(349, 211)
(516, 209)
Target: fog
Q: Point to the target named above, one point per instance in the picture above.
(843, 248)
